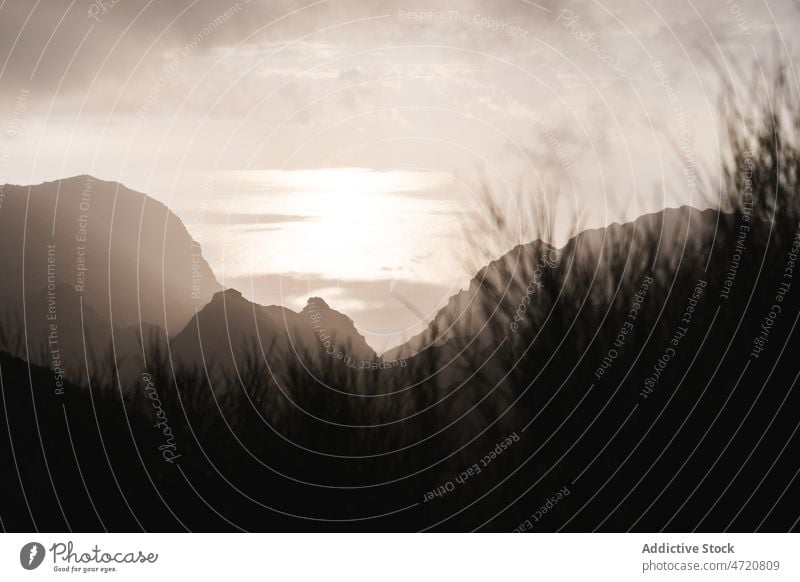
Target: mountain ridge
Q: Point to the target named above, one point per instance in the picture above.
(461, 317)
(460, 304)
(230, 328)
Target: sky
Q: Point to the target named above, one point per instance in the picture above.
(348, 149)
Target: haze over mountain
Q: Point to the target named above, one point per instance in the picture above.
(83, 245)
(91, 261)
(77, 246)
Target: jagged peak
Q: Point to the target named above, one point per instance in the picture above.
(316, 303)
(229, 293)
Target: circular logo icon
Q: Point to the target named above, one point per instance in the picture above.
(31, 555)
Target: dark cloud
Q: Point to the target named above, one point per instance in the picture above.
(41, 41)
(87, 50)
(48, 43)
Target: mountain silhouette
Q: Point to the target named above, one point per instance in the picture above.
(488, 300)
(83, 245)
(230, 326)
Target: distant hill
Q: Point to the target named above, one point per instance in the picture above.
(230, 327)
(86, 245)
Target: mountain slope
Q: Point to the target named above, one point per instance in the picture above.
(83, 245)
(231, 328)
(512, 283)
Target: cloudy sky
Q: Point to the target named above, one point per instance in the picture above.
(344, 149)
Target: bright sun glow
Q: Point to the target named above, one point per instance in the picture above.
(347, 223)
